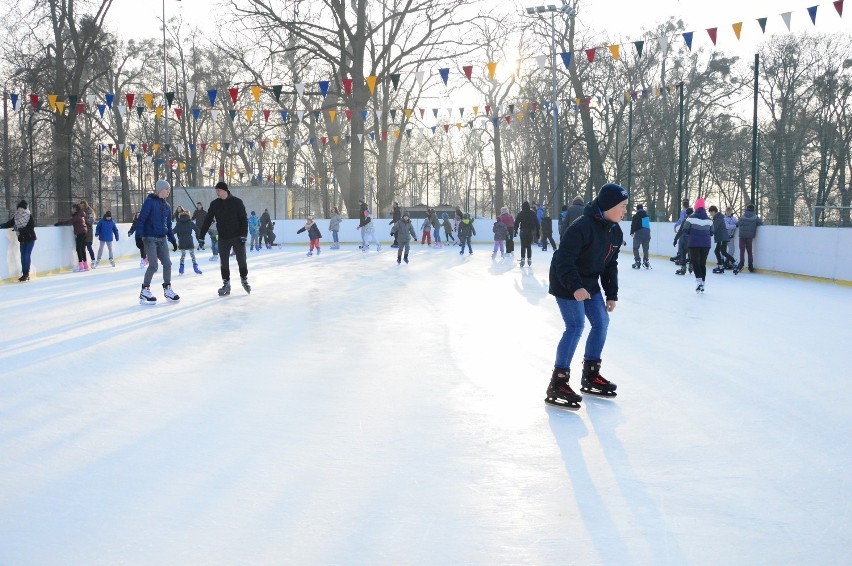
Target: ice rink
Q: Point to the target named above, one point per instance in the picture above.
(353, 411)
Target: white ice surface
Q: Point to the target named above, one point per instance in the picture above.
(352, 411)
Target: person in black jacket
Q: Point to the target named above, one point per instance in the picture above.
(232, 222)
(397, 215)
(640, 229)
(24, 224)
(584, 270)
(526, 223)
(198, 217)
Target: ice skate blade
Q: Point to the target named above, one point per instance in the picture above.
(562, 404)
(597, 393)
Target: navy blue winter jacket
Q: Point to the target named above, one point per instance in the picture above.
(698, 229)
(587, 258)
(155, 219)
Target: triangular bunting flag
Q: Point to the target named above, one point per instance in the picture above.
(492, 68)
(786, 16)
(148, 97)
(60, 107)
(445, 75)
(838, 5)
(541, 60)
(566, 58)
(170, 97)
(284, 116)
(51, 100)
(232, 114)
(249, 114)
(420, 76)
(615, 50)
(348, 113)
(276, 92)
(332, 114)
(323, 85)
(590, 54)
(140, 109)
(762, 23)
(178, 113)
(347, 86)
(663, 42)
(211, 94)
(266, 114)
(108, 98)
(190, 97)
(255, 93)
(712, 33)
(300, 89)
(687, 38)
(81, 107)
(214, 113)
(364, 116)
(233, 92)
(394, 81)
(812, 11)
(738, 29)
(196, 113)
(639, 46)
(371, 83)
(158, 112)
(468, 71)
(101, 108)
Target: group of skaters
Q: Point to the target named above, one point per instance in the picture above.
(698, 227)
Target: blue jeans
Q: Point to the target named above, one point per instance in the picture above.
(334, 236)
(574, 314)
(26, 256)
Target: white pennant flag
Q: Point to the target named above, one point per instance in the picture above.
(378, 116)
(90, 99)
(190, 97)
(122, 110)
(239, 146)
(300, 113)
(541, 60)
(663, 41)
(300, 88)
(360, 138)
(180, 148)
(786, 17)
(420, 75)
(214, 113)
(121, 147)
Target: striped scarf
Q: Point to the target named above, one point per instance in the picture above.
(22, 218)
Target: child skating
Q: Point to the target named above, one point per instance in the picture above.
(106, 231)
(404, 232)
(313, 233)
(185, 230)
(500, 233)
(584, 270)
(466, 231)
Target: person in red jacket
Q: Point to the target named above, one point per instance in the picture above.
(78, 221)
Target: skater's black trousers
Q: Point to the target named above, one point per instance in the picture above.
(239, 247)
(698, 260)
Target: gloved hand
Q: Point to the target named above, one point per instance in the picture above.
(128, 234)
(174, 246)
(243, 239)
(116, 238)
(675, 242)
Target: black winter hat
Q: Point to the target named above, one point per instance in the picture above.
(610, 195)
(22, 204)
(222, 185)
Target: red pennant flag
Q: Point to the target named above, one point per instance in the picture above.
(233, 91)
(348, 115)
(446, 128)
(266, 116)
(178, 112)
(263, 145)
(324, 140)
(81, 107)
(130, 96)
(384, 135)
(34, 100)
(535, 106)
(487, 110)
(347, 86)
(508, 119)
(422, 112)
(590, 54)
(468, 71)
(203, 146)
(712, 33)
(172, 163)
(114, 150)
(144, 148)
(838, 5)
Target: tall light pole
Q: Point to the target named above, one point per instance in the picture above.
(569, 11)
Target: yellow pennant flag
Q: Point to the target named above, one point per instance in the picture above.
(408, 112)
(577, 101)
(126, 152)
(520, 118)
(255, 92)
(51, 99)
(230, 173)
(158, 112)
(156, 147)
(627, 96)
(475, 110)
(371, 83)
(335, 139)
(458, 126)
(526, 106)
(180, 166)
(492, 68)
(614, 49)
(396, 134)
(738, 28)
(332, 114)
(215, 146)
(657, 91)
(275, 143)
(60, 107)
(249, 114)
(149, 99)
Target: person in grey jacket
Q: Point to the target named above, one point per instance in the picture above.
(747, 225)
(575, 211)
(334, 228)
(403, 231)
(436, 228)
(720, 235)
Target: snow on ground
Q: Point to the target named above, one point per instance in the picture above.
(352, 411)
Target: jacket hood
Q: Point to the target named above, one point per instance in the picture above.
(525, 206)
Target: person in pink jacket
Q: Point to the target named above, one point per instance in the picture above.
(509, 221)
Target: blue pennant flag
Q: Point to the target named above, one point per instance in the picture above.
(108, 98)
(323, 88)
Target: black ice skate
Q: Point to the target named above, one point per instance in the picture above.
(593, 383)
(646, 264)
(169, 293)
(225, 289)
(738, 268)
(719, 269)
(681, 271)
(636, 264)
(146, 297)
(246, 285)
(559, 393)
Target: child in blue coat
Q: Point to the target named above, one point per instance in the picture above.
(106, 231)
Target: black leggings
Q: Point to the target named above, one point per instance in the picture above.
(721, 250)
(698, 260)
(80, 245)
(526, 244)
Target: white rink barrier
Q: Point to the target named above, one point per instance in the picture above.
(815, 252)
